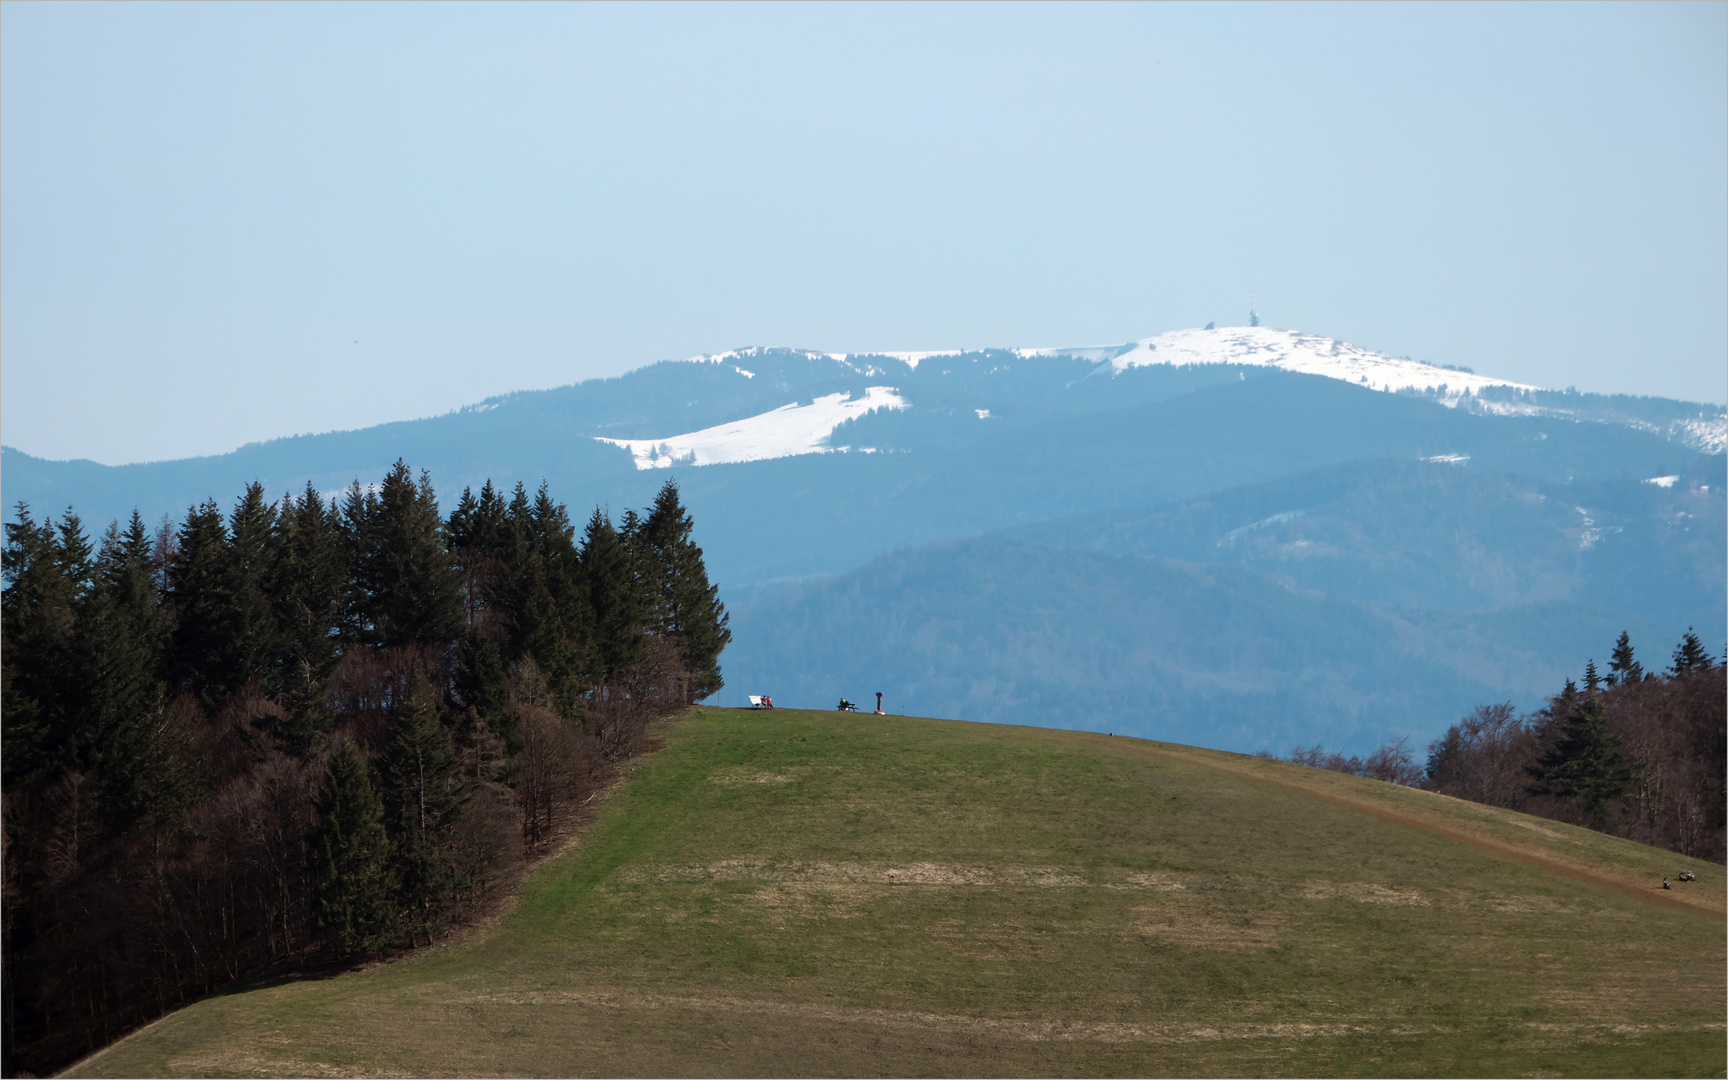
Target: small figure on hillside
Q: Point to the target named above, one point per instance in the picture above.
(1687, 876)
(879, 711)
(847, 706)
(1665, 884)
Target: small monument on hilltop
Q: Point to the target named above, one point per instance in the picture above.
(879, 711)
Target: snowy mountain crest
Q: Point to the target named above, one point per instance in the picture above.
(802, 429)
(1259, 346)
(1263, 346)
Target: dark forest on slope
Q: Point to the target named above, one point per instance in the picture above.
(310, 732)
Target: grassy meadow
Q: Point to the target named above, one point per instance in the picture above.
(796, 893)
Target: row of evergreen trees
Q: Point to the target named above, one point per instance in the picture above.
(310, 727)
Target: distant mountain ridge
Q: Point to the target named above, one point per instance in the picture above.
(1419, 511)
(735, 405)
(1349, 604)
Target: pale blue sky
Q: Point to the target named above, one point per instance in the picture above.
(221, 223)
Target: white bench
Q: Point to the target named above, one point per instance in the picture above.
(757, 701)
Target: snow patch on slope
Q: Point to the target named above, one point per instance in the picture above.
(1707, 434)
(1264, 346)
(783, 432)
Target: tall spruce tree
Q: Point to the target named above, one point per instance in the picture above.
(254, 641)
(420, 806)
(351, 889)
(1623, 667)
(119, 650)
(44, 585)
(684, 604)
(1690, 655)
(564, 646)
(356, 534)
(412, 584)
(307, 590)
(479, 541)
(614, 592)
(1582, 761)
(199, 659)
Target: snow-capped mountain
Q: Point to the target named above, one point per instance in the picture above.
(1287, 350)
(903, 380)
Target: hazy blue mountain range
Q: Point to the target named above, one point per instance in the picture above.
(1441, 535)
(1350, 603)
(989, 629)
(1233, 537)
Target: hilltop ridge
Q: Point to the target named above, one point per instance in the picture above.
(818, 893)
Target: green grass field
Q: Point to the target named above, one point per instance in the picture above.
(796, 893)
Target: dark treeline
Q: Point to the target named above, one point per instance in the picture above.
(1634, 753)
(310, 732)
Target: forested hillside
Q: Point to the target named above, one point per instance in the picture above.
(310, 731)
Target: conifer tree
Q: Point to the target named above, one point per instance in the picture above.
(1592, 679)
(412, 585)
(306, 589)
(565, 621)
(73, 553)
(1623, 667)
(684, 604)
(225, 632)
(198, 580)
(119, 650)
(479, 540)
(349, 856)
(356, 533)
(306, 699)
(420, 805)
(254, 643)
(514, 574)
(1689, 655)
(481, 681)
(38, 612)
(307, 584)
(613, 590)
(1582, 761)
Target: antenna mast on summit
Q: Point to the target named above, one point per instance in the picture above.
(1253, 316)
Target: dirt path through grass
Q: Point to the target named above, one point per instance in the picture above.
(1067, 1030)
